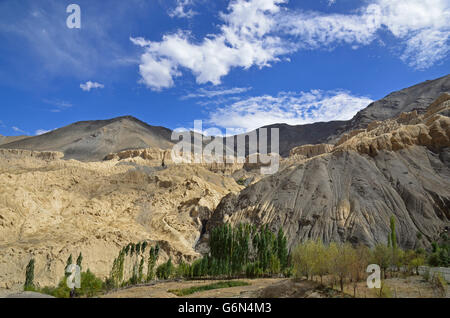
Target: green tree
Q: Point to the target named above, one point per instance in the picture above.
(80, 261)
(144, 246)
(90, 284)
(138, 248)
(68, 262)
(393, 234)
(165, 271)
(282, 249)
(382, 256)
(29, 275)
(141, 270)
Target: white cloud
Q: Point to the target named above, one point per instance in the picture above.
(180, 10)
(426, 48)
(291, 108)
(17, 129)
(331, 2)
(41, 132)
(205, 93)
(262, 32)
(244, 40)
(421, 26)
(91, 85)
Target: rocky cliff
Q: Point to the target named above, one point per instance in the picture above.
(397, 167)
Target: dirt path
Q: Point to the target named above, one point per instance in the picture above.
(162, 290)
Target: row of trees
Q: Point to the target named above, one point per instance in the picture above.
(241, 251)
(250, 251)
(345, 263)
(90, 284)
(244, 250)
(129, 266)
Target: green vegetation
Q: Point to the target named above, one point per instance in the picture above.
(152, 259)
(29, 276)
(251, 252)
(440, 252)
(243, 251)
(90, 286)
(196, 289)
(393, 234)
(166, 270)
(80, 261)
(346, 264)
(132, 259)
(68, 263)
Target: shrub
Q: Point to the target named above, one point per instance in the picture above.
(91, 285)
(385, 291)
(439, 283)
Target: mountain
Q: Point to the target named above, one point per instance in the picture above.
(345, 191)
(416, 97)
(8, 139)
(93, 140)
(293, 136)
(399, 167)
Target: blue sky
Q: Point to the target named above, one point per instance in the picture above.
(234, 64)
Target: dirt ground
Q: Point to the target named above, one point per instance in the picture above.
(409, 287)
(162, 290)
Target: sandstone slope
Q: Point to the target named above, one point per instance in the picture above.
(50, 208)
(398, 167)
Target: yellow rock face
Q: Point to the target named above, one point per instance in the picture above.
(51, 208)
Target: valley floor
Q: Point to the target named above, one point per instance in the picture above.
(162, 290)
(409, 287)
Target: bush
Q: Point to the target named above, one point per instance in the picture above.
(91, 285)
(439, 283)
(384, 291)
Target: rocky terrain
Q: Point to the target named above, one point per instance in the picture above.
(93, 187)
(51, 208)
(348, 192)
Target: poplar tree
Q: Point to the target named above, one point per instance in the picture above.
(69, 262)
(29, 275)
(393, 234)
(80, 261)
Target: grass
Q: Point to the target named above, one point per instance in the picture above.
(196, 289)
